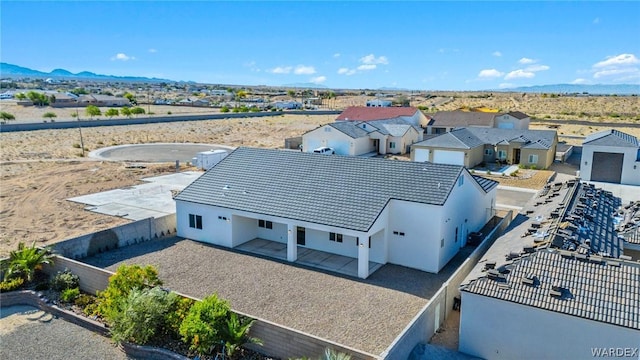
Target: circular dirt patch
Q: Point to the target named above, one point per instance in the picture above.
(159, 152)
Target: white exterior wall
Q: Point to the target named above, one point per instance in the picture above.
(419, 248)
(507, 121)
(630, 176)
(214, 230)
(497, 329)
(339, 141)
(418, 119)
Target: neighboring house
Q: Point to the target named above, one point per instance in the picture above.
(473, 145)
(552, 304)
(412, 214)
(611, 156)
(103, 100)
(193, 102)
(379, 103)
(64, 100)
(445, 121)
(361, 113)
(394, 136)
(287, 105)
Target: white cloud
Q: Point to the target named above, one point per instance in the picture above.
(536, 68)
(372, 59)
(622, 59)
(281, 70)
(519, 74)
(505, 85)
(346, 71)
(318, 79)
(614, 72)
(497, 53)
(336, 55)
(579, 81)
(490, 73)
(153, 51)
(122, 57)
(525, 60)
(367, 67)
(304, 70)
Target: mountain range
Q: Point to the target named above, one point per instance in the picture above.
(13, 71)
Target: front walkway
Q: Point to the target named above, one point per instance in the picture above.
(312, 258)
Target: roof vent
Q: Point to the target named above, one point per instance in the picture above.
(439, 185)
(555, 293)
(226, 187)
(489, 265)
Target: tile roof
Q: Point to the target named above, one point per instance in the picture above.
(363, 113)
(456, 139)
(387, 126)
(486, 184)
(612, 138)
(342, 191)
(535, 139)
(463, 118)
(592, 288)
(518, 115)
(351, 129)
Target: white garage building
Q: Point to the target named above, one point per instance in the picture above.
(611, 156)
(384, 211)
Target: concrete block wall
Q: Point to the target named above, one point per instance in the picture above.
(92, 279)
(119, 236)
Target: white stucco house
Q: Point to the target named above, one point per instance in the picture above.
(392, 136)
(553, 304)
(611, 156)
(412, 214)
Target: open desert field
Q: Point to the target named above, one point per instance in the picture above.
(40, 169)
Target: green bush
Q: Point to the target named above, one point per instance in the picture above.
(176, 315)
(236, 333)
(224, 109)
(84, 300)
(65, 280)
(533, 167)
(68, 295)
(142, 315)
(11, 285)
(126, 279)
(203, 326)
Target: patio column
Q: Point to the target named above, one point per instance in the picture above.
(292, 245)
(363, 256)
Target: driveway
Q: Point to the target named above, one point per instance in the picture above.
(512, 198)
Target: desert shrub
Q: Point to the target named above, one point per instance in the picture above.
(126, 279)
(68, 295)
(236, 333)
(224, 109)
(142, 315)
(84, 300)
(521, 166)
(65, 280)
(176, 316)
(11, 285)
(203, 326)
(76, 146)
(533, 167)
(169, 112)
(25, 262)
(330, 354)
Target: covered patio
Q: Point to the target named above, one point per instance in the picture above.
(307, 257)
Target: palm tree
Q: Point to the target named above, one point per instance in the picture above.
(236, 334)
(25, 261)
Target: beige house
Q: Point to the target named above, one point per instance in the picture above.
(103, 100)
(411, 115)
(445, 121)
(473, 145)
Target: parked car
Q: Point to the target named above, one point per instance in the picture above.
(324, 150)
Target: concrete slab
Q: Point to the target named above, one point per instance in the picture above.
(152, 199)
(511, 198)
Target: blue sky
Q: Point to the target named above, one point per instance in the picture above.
(357, 44)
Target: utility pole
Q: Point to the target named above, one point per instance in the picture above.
(80, 130)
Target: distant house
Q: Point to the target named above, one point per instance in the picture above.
(392, 136)
(287, 105)
(193, 102)
(103, 100)
(473, 145)
(374, 210)
(444, 121)
(412, 115)
(611, 156)
(379, 103)
(64, 100)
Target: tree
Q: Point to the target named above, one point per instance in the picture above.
(92, 111)
(49, 115)
(224, 109)
(112, 112)
(137, 110)
(126, 111)
(5, 116)
(25, 261)
(131, 97)
(20, 96)
(291, 93)
(79, 91)
(37, 98)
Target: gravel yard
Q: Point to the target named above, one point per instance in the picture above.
(29, 333)
(364, 314)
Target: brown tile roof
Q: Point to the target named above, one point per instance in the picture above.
(363, 113)
(462, 119)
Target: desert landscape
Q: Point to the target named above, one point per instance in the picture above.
(40, 169)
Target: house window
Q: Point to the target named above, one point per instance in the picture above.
(456, 234)
(461, 180)
(327, 129)
(335, 237)
(533, 159)
(488, 152)
(195, 221)
(265, 224)
(392, 145)
(638, 155)
(442, 243)
(502, 154)
(399, 233)
(222, 218)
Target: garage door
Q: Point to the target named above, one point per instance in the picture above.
(421, 155)
(448, 157)
(606, 167)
